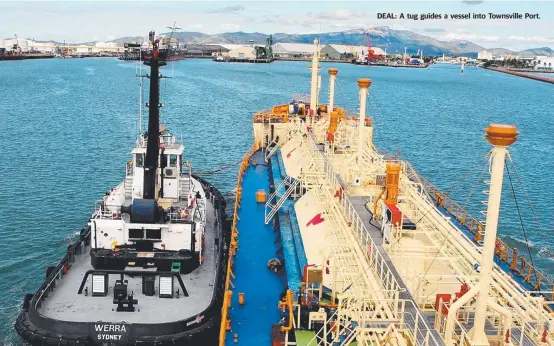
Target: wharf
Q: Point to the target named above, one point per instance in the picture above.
(310, 59)
(395, 65)
(25, 57)
(252, 61)
(524, 75)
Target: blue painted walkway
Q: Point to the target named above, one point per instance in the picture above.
(293, 249)
(261, 287)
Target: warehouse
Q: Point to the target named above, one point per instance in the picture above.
(293, 50)
(203, 50)
(342, 51)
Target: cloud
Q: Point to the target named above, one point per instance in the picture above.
(227, 9)
(194, 26)
(433, 30)
(473, 2)
(337, 15)
(469, 37)
(228, 26)
(329, 19)
(530, 38)
(499, 39)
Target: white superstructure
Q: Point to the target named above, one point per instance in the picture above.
(177, 194)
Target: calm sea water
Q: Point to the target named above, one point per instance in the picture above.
(68, 127)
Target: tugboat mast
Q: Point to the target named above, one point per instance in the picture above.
(152, 147)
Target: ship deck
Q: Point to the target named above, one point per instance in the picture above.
(359, 203)
(257, 245)
(65, 304)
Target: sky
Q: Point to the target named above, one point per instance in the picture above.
(82, 21)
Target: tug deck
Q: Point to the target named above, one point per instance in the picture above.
(65, 304)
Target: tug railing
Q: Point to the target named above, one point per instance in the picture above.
(233, 246)
(518, 264)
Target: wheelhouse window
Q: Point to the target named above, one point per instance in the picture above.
(172, 160)
(140, 160)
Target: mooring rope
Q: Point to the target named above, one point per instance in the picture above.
(521, 221)
(220, 169)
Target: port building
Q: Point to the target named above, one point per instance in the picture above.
(244, 52)
(543, 63)
(344, 52)
(293, 50)
(204, 50)
(484, 55)
(29, 46)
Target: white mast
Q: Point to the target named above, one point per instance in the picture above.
(501, 137)
(364, 84)
(332, 77)
(313, 91)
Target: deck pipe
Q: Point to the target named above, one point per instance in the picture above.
(364, 84)
(313, 90)
(501, 137)
(332, 78)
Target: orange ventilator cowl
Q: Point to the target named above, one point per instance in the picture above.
(364, 82)
(391, 182)
(501, 135)
(333, 71)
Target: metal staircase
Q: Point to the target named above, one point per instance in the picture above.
(274, 146)
(128, 186)
(279, 197)
(184, 180)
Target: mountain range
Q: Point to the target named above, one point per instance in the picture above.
(383, 37)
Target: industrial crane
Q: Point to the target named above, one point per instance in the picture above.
(370, 52)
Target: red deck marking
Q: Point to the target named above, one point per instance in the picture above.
(316, 220)
(338, 194)
(290, 152)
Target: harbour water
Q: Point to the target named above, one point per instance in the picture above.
(68, 127)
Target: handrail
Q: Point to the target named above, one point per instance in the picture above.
(288, 304)
(60, 267)
(518, 263)
(232, 250)
(360, 232)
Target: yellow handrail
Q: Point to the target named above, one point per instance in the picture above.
(287, 304)
(517, 263)
(225, 321)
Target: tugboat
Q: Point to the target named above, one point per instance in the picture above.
(148, 269)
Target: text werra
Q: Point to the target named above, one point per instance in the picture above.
(115, 328)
